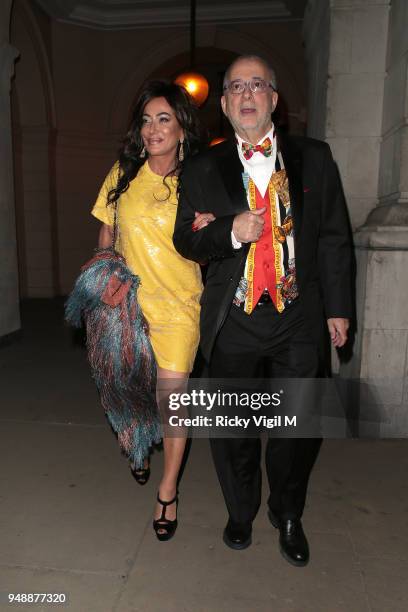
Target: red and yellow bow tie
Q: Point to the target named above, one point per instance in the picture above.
(249, 149)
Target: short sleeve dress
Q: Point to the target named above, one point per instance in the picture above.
(171, 286)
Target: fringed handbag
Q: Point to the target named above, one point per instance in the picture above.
(119, 350)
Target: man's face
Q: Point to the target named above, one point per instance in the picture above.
(250, 113)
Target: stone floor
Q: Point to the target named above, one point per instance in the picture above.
(72, 519)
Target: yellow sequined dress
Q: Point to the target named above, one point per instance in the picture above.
(171, 286)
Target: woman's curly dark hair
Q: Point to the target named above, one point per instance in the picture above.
(129, 154)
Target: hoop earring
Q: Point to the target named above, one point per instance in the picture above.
(181, 151)
(143, 153)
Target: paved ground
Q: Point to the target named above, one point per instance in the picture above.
(73, 520)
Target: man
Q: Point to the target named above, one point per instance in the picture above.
(276, 237)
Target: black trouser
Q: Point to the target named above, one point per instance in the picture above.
(265, 344)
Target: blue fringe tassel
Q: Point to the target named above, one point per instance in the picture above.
(119, 350)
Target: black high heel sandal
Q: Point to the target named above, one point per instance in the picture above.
(142, 475)
(169, 527)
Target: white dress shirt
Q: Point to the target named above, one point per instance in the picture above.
(259, 168)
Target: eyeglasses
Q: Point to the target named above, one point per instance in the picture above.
(255, 85)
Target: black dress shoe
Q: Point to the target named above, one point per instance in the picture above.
(292, 540)
(236, 536)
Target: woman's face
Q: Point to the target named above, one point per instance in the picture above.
(160, 130)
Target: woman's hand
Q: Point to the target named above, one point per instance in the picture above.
(202, 220)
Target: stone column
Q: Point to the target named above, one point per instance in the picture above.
(346, 43)
(9, 298)
(382, 244)
(364, 118)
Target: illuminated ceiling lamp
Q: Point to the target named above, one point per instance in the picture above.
(195, 83)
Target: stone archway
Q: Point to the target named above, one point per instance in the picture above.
(34, 128)
(222, 39)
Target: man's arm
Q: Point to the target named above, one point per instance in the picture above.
(334, 254)
(210, 242)
(214, 239)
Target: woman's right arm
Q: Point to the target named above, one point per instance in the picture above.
(213, 240)
(105, 236)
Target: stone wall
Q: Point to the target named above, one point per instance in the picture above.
(34, 123)
(366, 125)
(9, 309)
(382, 244)
(316, 34)
(346, 46)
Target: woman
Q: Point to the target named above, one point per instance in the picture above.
(164, 130)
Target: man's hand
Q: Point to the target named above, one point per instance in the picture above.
(338, 331)
(248, 226)
(202, 220)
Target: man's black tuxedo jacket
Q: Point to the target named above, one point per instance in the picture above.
(212, 182)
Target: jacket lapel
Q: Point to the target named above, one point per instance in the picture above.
(231, 170)
(292, 159)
